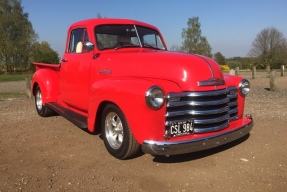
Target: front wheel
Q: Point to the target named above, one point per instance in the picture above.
(117, 135)
(43, 111)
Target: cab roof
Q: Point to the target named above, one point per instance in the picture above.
(101, 21)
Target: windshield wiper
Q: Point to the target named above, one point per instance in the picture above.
(150, 46)
(125, 46)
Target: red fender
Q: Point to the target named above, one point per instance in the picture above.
(49, 83)
(129, 95)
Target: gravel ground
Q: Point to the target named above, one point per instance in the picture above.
(51, 154)
(13, 87)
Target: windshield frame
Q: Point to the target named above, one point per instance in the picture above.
(107, 36)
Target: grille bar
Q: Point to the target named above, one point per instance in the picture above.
(198, 94)
(232, 103)
(232, 111)
(197, 103)
(198, 112)
(212, 120)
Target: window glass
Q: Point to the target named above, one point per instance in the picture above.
(75, 37)
(126, 36)
(78, 38)
(150, 37)
(114, 36)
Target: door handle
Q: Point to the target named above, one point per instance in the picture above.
(64, 60)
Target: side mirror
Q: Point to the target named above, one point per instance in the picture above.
(89, 46)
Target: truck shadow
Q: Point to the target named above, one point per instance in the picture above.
(183, 157)
(200, 154)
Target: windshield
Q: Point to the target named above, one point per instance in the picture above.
(124, 36)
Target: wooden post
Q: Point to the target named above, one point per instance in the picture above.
(282, 70)
(268, 70)
(236, 71)
(231, 72)
(28, 87)
(253, 72)
(273, 80)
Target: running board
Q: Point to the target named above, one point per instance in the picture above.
(75, 118)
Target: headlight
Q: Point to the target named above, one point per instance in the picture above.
(244, 87)
(154, 97)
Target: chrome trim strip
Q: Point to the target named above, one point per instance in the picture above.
(167, 123)
(232, 111)
(232, 96)
(232, 88)
(197, 103)
(193, 145)
(213, 120)
(211, 82)
(233, 118)
(198, 94)
(197, 112)
(234, 103)
(105, 71)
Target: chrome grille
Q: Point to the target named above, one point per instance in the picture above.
(210, 111)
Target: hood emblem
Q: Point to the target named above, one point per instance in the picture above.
(211, 82)
(105, 71)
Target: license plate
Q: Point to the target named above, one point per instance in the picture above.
(181, 128)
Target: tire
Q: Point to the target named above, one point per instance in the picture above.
(42, 110)
(117, 135)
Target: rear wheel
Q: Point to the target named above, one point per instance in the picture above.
(117, 135)
(43, 111)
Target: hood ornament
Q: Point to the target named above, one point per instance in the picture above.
(211, 82)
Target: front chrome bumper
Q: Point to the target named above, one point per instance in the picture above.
(181, 147)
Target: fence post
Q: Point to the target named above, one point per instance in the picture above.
(282, 70)
(268, 70)
(253, 72)
(236, 71)
(273, 80)
(231, 72)
(28, 87)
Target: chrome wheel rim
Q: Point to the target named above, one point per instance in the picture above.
(39, 100)
(114, 130)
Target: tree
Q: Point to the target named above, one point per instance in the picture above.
(43, 53)
(194, 42)
(16, 36)
(269, 47)
(99, 16)
(174, 48)
(233, 64)
(219, 58)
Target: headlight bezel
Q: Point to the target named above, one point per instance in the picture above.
(155, 98)
(244, 87)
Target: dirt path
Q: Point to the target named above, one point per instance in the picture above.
(51, 154)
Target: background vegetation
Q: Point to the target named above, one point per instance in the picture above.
(269, 48)
(15, 77)
(19, 46)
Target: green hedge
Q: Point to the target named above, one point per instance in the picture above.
(18, 77)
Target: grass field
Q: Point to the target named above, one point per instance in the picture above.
(19, 77)
(10, 95)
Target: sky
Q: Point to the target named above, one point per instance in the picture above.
(230, 26)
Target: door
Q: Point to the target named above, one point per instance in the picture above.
(75, 69)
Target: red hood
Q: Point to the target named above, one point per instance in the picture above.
(184, 69)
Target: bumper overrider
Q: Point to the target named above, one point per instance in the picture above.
(188, 146)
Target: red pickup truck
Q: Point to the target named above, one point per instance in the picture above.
(118, 77)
